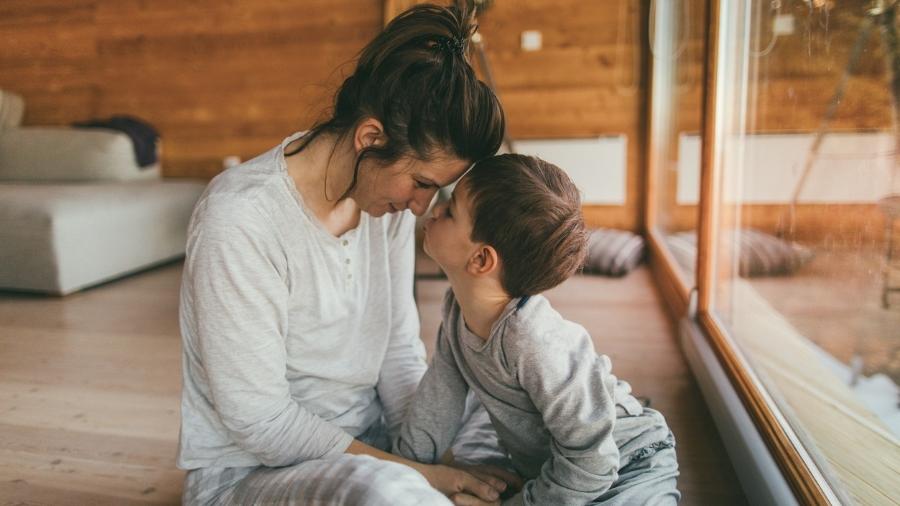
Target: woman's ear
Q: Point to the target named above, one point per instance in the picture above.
(484, 261)
(369, 132)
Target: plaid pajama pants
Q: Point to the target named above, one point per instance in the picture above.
(355, 480)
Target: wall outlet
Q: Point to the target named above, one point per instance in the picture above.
(532, 40)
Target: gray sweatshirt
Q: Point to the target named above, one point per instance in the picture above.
(551, 398)
(294, 340)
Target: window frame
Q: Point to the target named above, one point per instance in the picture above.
(800, 471)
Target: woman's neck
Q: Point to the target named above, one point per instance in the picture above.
(323, 160)
(322, 171)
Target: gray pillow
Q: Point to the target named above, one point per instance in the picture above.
(613, 252)
(69, 154)
(760, 254)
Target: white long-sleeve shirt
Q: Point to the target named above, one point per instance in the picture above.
(294, 340)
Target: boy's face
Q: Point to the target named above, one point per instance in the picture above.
(448, 231)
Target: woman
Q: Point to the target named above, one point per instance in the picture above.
(300, 332)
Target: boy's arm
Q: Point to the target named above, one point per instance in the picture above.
(435, 414)
(573, 389)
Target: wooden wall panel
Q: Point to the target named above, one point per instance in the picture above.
(586, 81)
(225, 78)
(216, 77)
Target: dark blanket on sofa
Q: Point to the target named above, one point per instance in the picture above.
(143, 136)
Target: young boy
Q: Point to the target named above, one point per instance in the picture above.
(513, 229)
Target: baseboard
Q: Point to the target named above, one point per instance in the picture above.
(757, 471)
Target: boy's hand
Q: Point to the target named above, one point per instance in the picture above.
(451, 481)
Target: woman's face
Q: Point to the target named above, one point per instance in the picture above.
(406, 184)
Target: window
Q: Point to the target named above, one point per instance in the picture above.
(677, 46)
(807, 171)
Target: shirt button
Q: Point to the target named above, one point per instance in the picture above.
(345, 242)
(347, 261)
(349, 276)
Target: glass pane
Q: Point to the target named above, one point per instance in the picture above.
(677, 44)
(809, 196)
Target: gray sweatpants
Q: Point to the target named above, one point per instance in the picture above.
(356, 480)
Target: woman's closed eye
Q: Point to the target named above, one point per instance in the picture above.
(422, 185)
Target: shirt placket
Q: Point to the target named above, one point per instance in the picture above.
(348, 272)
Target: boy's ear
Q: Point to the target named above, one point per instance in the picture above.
(369, 132)
(485, 260)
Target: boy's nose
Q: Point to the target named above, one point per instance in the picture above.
(437, 209)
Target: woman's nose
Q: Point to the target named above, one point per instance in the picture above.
(419, 203)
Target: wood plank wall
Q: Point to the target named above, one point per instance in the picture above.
(225, 78)
(217, 77)
(587, 80)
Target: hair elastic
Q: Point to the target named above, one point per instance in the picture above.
(452, 45)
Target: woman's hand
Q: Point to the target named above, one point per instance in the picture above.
(451, 482)
(513, 481)
(470, 500)
(486, 487)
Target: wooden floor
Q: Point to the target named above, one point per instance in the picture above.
(89, 386)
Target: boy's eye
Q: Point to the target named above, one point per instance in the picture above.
(422, 185)
(447, 210)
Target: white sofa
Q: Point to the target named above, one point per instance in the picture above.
(75, 210)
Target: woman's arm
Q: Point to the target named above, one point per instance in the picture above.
(234, 308)
(404, 362)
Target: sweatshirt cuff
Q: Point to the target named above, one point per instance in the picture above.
(340, 446)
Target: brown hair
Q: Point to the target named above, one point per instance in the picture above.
(415, 79)
(530, 212)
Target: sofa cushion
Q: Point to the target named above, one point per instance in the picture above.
(68, 154)
(59, 238)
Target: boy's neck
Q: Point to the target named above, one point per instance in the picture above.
(482, 302)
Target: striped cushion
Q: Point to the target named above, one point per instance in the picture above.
(613, 252)
(761, 254)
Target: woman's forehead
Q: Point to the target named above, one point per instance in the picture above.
(441, 170)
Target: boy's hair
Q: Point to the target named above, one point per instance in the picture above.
(530, 212)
